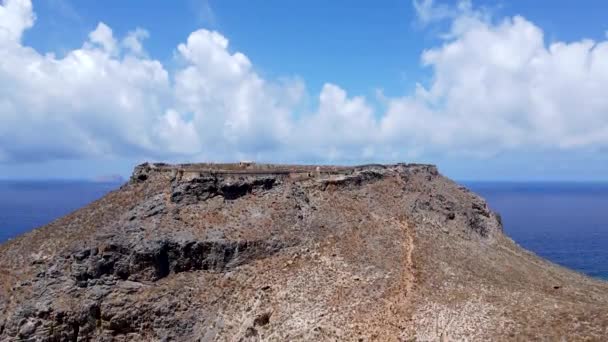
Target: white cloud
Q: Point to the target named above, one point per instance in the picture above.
(428, 11)
(234, 109)
(496, 86)
(88, 103)
(340, 127)
(15, 17)
(133, 41)
(103, 36)
(178, 135)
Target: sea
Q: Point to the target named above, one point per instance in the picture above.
(564, 222)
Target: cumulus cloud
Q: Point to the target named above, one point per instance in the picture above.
(133, 41)
(234, 110)
(428, 11)
(341, 127)
(103, 37)
(15, 17)
(496, 86)
(88, 103)
(499, 86)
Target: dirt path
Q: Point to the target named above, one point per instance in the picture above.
(409, 259)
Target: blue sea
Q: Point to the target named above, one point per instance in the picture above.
(566, 223)
(28, 204)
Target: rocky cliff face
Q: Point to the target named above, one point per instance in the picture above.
(231, 252)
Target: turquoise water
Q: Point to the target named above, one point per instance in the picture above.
(566, 223)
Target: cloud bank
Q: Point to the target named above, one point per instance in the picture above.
(496, 86)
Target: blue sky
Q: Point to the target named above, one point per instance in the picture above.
(359, 44)
(486, 90)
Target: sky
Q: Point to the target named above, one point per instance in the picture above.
(487, 90)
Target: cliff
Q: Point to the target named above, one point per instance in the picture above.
(251, 252)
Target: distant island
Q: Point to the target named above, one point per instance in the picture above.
(262, 252)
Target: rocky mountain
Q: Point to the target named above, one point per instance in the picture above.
(251, 252)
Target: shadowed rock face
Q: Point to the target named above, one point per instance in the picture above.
(248, 252)
(203, 188)
(151, 261)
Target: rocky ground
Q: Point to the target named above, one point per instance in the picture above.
(210, 252)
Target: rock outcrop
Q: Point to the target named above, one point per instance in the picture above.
(249, 252)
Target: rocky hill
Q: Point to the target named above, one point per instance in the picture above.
(249, 252)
